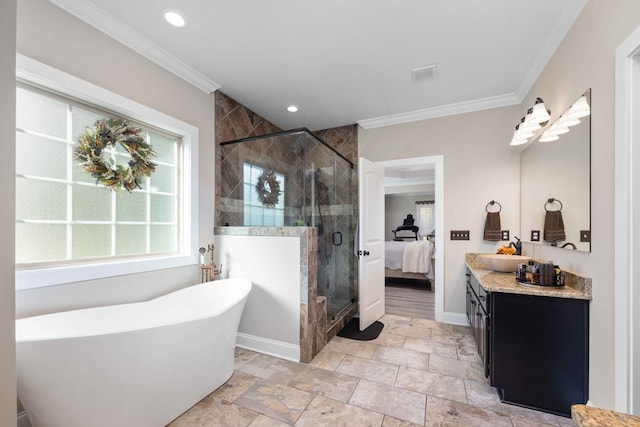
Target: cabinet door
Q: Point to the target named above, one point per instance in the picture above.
(469, 305)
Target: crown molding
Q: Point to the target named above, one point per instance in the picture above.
(442, 111)
(99, 19)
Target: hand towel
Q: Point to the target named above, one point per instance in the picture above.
(553, 226)
(492, 231)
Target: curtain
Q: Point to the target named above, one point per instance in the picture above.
(425, 217)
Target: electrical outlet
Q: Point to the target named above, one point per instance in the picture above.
(585, 236)
(459, 234)
(535, 235)
(505, 234)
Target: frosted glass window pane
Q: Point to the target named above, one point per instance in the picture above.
(40, 242)
(131, 206)
(77, 174)
(40, 200)
(165, 148)
(41, 114)
(246, 172)
(131, 239)
(163, 238)
(247, 193)
(81, 119)
(269, 217)
(247, 215)
(256, 216)
(91, 241)
(91, 203)
(280, 219)
(164, 179)
(163, 208)
(255, 173)
(41, 157)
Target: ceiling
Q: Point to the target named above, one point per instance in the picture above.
(345, 62)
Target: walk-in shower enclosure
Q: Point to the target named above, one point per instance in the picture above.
(292, 179)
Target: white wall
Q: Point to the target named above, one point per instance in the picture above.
(7, 214)
(48, 34)
(479, 166)
(271, 320)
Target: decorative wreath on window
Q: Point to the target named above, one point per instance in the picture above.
(268, 189)
(89, 150)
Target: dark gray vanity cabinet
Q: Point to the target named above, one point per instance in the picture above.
(477, 312)
(539, 351)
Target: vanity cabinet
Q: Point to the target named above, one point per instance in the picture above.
(477, 312)
(540, 351)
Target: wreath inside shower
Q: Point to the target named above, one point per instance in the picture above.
(268, 189)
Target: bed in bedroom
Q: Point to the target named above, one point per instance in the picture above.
(408, 260)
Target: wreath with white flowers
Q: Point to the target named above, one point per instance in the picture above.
(108, 132)
(268, 189)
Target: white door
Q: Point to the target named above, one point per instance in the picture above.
(370, 242)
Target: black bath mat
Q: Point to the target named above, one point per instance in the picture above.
(352, 330)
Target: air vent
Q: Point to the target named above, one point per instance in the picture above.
(423, 73)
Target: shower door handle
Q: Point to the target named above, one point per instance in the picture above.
(337, 238)
(363, 253)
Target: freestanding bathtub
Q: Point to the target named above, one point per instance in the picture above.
(139, 364)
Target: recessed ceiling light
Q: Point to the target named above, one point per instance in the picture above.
(174, 18)
(292, 108)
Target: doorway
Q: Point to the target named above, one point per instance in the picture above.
(432, 166)
(627, 223)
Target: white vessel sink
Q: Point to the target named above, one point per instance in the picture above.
(503, 263)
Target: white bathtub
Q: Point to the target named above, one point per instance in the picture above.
(140, 364)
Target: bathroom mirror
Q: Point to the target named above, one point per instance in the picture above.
(556, 176)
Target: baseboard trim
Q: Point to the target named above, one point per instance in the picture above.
(270, 347)
(455, 318)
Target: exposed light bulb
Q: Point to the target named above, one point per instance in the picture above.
(292, 108)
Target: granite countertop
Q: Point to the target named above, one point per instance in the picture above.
(589, 416)
(576, 287)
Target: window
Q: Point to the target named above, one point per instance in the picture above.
(60, 204)
(255, 213)
(67, 228)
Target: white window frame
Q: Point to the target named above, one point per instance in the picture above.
(37, 73)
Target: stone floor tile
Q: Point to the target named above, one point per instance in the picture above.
(373, 370)
(399, 403)
(483, 395)
(400, 356)
(235, 386)
(457, 368)
(327, 412)
(523, 422)
(272, 368)
(330, 384)
(264, 421)
(411, 331)
(393, 319)
(442, 412)
(388, 339)
(327, 359)
(212, 412)
(468, 353)
(439, 385)
(242, 356)
(353, 347)
(432, 324)
(465, 330)
(565, 422)
(394, 422)
(275, 400)
(431, 347)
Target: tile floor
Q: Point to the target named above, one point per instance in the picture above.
(418, 372)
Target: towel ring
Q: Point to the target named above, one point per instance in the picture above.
(491, 203)
(550, 201)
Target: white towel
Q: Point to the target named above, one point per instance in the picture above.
(417, 257)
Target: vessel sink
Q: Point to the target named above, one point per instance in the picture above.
(503, 263)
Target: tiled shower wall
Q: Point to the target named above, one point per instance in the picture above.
(234, 121)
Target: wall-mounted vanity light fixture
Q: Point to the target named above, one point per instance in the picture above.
(536, 117)
(572, 117)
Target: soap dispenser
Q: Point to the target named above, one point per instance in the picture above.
(517, 245)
